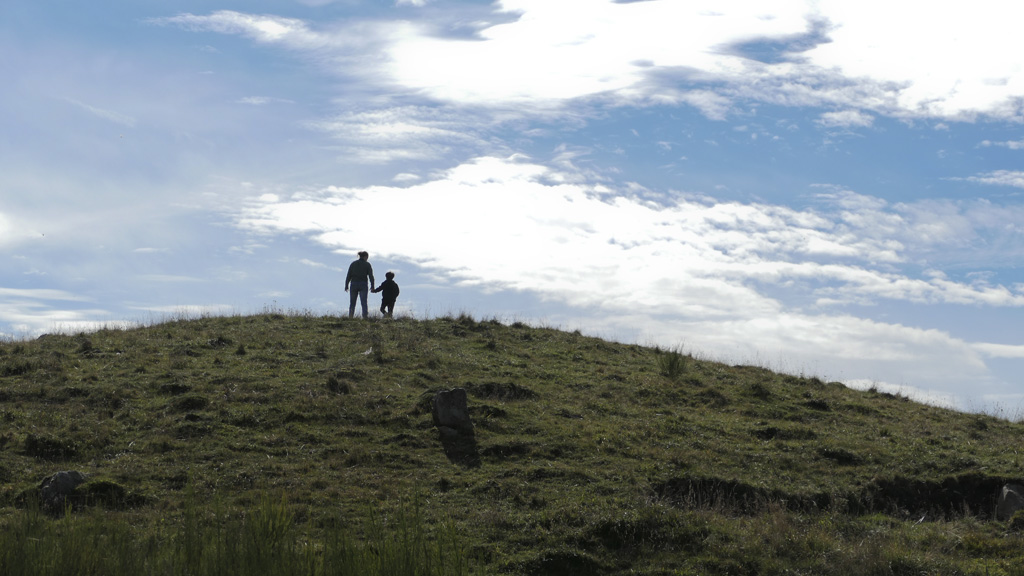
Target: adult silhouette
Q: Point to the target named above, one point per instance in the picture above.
(360, 280)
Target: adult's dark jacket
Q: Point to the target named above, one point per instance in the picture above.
(359, 271)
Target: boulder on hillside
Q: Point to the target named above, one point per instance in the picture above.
(451, 410)
(54, 490)
(451, 417)
(1011, 499)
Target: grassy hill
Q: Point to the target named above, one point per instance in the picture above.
(594, 457)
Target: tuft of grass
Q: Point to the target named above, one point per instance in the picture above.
(672, 363)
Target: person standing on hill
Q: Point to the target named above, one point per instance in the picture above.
(360, 279)
(390, 289)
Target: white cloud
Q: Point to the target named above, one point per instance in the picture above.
(33, 311)
(516, 227)
(861, 56)
(40, 294)
(312, 263)
(1011, 144)
(846, 119)
(1000, 350)
(557, 51)
(1013, 178)
(865, 56)
(405, 133)
(355, 47)
(916, 394)
(263, 100)
(942, 62)
(15, 230)
(262, 28)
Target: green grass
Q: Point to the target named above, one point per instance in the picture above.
(595, 457)
(265, 540)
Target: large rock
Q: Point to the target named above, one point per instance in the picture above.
(451, 410)
(1011, 499)
(451, 417)
(55, 490)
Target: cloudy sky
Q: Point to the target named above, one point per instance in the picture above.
(827, 188)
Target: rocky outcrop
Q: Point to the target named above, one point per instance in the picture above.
(56, 490)
(1011, 499)
(451, 417)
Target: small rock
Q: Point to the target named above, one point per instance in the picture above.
(1011, 499)
(54, 490)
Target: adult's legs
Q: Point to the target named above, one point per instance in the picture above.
(363, 293)
(357, 290)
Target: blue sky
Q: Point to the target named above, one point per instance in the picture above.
(819, 187)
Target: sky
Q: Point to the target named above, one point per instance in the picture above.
(821, 187)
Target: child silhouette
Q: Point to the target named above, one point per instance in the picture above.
(390, 289)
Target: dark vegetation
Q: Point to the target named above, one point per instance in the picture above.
(313, 437)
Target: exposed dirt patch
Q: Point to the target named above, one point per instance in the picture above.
(954, 496)
(501, 391)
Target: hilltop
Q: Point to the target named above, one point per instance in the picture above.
(593, 457)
